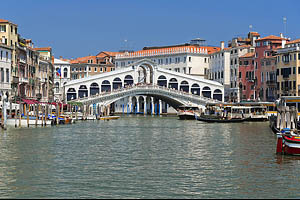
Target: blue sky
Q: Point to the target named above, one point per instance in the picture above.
(77, 28)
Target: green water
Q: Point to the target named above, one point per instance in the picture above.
(146, 157)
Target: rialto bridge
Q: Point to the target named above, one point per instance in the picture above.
(143, 87)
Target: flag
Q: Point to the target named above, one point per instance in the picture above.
(58, 73)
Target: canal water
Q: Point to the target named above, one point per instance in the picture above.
(146, 157)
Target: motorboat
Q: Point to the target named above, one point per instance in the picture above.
(288, 142)
(187, 112)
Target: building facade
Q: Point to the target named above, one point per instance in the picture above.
(46, 66)
(189, 59)
(5, 69)
(61, 77)
(264, 49)
(219, 68)
(288, 69)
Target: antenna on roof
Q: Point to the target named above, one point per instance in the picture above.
(284, 25)
(250, 28)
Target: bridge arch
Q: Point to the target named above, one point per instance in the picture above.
(218, 95)
(206, 92)
(105, 86)
(162, 81)
(184, 86)
(117, 83)
(173, 83)
(148, 71)
(71, 94)
(94, 89)
(83, 91)
(195, 89)
(128, 80)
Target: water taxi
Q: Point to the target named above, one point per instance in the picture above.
(187, 112)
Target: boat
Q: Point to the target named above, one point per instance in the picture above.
(187, 112)
(24, 122)
(288, 142)
(109, 117)
(219, 119)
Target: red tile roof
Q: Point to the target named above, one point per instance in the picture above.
(3, 21)
(271, 37)
(248, 55)
(84, 60)
(294, 41)
(43, 49)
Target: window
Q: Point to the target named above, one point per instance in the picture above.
(2, 75)
(2, 28)
(184, 59)
(240, 74)
(190, 59)
(7, 75)
(65, 73)
(95, 70)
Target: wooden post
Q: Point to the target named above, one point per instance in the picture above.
(20, 114)
(46, 114)
(57, 114)
(27, 112)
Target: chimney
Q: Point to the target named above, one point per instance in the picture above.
(222, 45)
(281, 35)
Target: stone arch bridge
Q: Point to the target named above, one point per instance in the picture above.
(146, 79)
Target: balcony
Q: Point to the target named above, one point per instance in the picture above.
(24, 80)
(15, 80)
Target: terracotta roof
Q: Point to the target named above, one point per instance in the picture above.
(294, 41)
(271, 37)
(3, 21)
(43, 49)
(255, 33)
(108, 53)
(83, 59)
(248, 55)
(190, 48)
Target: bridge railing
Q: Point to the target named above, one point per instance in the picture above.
(148, 86)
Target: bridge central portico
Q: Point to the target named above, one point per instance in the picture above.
(145, 79)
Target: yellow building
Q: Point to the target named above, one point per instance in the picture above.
(9, 37)
(288, 69)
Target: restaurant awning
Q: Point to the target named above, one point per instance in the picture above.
(28, 101)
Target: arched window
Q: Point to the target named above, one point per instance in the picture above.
(117, 83)
(83, 91)
(65, 73)
(195, 89)
(206, 92)
(184, 86)
(162, 81)
(128, 80)
(71, 94)
(105, 86)
(57, 87)
(173, 83)
(94, 89)
(218, 95)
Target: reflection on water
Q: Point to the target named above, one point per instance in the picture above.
(146, 157)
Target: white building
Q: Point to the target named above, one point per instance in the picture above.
(61, 77)
(187, 58)
(5, 69)
(220, 68)
(191, 59)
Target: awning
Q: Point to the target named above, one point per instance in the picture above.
(27, 101)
